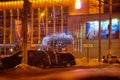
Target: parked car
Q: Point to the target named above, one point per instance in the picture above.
(45, 59)
(53, 57)
(66, 59)
(12, 60)
(112, 59)
(38, 58)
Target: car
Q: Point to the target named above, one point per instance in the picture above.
(112, 59)
(53, 57)
(12, 60)
(66, 59)
(46, 59)
(38, 58)
(42, 59)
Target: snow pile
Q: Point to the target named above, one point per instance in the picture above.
(79, 62)
(26, 68)
(83, 62)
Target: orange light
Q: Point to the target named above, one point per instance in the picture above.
(77, 4)
(42, 14)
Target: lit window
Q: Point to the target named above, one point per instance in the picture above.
(77, 4)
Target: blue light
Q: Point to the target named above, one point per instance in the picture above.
(1, 16)
(58, 38)
(28, 14)
(93, 26)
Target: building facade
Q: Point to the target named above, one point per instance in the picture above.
(47, 17)
(84, 28)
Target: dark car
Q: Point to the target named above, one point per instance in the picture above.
(45, 59)
(53, 57)
(12, 60)
(61, 59)
(112, 59)
(66, 59)
(38, 58)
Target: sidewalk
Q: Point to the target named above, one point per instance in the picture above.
(82, 62)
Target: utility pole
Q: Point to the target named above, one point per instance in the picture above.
(24, 30)
(99, 31)
(110, 26)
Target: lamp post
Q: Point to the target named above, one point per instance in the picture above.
(99, 34)
(110, 26)
(24, 31)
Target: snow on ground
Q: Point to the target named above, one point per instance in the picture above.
(79, 62)
(83, 62)
(26, 68)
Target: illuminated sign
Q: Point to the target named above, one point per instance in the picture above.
(92, 29)
(87, 45)
(18, 31)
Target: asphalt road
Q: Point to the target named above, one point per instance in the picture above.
(110, 72)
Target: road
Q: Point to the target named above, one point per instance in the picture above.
(75, 73)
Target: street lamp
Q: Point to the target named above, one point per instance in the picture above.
(99, 31)
(110, 26)
(25, 30)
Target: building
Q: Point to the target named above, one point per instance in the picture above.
(47, 17)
